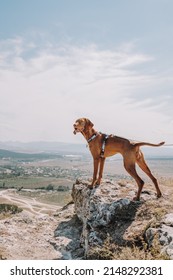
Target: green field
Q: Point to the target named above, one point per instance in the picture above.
(48, 197)
(29, 182)
(35, 188)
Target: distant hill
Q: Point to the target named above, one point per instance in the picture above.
(5, 154)
(44, 147)
(60, 148)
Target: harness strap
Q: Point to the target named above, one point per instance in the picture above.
(92, 137)
(103, 145)
(105, 137)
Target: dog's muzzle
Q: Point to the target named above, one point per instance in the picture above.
(75, 129)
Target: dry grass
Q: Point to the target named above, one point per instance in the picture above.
(111, 251)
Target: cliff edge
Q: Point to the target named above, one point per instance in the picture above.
(113, 224)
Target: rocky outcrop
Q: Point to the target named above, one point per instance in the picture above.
(109, 210)
(94, 215)
(104, 211)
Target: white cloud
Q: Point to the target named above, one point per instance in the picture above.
(43, 90)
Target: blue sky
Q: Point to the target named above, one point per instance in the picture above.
(110, 61)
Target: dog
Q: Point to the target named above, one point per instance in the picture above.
(102, 146)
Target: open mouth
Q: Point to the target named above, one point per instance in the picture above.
(75, 130)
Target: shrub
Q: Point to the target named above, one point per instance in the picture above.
(9, 208)
(50, 187)
(112, 251)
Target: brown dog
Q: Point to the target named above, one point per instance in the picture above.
(102, 146)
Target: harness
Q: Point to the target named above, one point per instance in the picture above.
(103, 145)
(105, 137)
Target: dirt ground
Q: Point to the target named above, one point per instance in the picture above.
(27, 235)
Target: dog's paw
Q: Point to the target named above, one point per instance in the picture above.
(159, 195)
(135, 198)
(97, 183)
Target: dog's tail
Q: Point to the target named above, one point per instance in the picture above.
(148, 144)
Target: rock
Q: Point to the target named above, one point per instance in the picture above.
(103, 211)
(67, 235)
(109, 210)
(165, 235)
(168, 219)
(26, 236)
(149, 235)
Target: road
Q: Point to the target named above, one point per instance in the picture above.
(35, 207)
(30, 233)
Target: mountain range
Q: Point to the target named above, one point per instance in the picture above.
(61, 148)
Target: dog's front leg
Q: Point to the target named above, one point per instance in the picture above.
(102, 161)
(96, 166)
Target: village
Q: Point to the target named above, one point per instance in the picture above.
(60, 172)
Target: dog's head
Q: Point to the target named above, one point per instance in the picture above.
(82, 125)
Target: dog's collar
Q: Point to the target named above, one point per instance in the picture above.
(92, 137)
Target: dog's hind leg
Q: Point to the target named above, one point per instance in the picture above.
(142, 164)
(130, 168)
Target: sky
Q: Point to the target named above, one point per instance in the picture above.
(108, 60)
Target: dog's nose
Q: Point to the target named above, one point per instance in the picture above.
(74, 128)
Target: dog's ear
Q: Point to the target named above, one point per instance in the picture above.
(88, 124)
